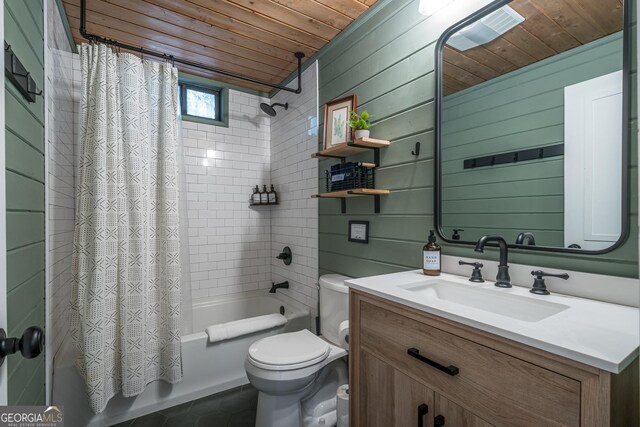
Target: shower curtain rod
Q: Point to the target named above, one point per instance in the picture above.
(143, 51)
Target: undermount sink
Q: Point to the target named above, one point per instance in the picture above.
(504, 304)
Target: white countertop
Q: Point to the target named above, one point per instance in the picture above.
(595, 333)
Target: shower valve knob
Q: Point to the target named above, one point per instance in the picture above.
(286, 256)
(30, 345)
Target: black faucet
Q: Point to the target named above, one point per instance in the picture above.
(502, 279)
(276, 286)
(528, 237)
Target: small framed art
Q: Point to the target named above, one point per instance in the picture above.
(359, 231)
(336, 121)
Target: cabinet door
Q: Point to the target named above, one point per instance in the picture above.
(376, 392)
(413, 404)
(388, 398)
(448, 413)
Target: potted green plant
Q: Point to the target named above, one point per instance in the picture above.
(360, 123)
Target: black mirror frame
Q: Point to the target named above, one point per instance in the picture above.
(626, 99)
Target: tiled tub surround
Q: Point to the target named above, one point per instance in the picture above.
(294, 222)
(229, 247)
(61, 140)
(228, 244)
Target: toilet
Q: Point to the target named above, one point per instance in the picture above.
(297, 373)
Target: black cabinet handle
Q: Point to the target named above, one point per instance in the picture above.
(438, 421)
(451, 370)
(422, 411)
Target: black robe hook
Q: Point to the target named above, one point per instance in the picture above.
(416, 151)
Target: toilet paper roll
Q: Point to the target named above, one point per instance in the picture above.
(343, 405)
(343, 334)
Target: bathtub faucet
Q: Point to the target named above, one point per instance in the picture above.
(276, 286)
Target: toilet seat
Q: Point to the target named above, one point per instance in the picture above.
(288, 351)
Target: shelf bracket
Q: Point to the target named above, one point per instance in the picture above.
(376, 203)
(343, 205)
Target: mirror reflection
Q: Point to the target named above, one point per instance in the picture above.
(531, 125)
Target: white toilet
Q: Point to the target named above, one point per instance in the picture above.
(297, 373)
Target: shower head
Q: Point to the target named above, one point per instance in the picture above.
(270, 110)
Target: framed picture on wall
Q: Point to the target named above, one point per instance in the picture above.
(336, 121)
(359, 231)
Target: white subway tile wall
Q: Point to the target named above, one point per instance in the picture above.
(229, 244)
(60, 180)
(294, 223)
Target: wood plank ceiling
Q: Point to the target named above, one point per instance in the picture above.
(550, 27)
(256, 38)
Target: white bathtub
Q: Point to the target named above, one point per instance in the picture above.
(207, 368)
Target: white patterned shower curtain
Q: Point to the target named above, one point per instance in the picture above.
(125, 309)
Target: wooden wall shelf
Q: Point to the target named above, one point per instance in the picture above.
(355, 192)
(341, 152)
(350, 148)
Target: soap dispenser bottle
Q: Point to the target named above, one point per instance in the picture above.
(264, 196)
(273, 196)
(255, 197)
(431, 265)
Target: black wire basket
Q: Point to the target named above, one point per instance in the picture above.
(350, 175)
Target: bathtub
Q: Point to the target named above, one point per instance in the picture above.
(207, 368)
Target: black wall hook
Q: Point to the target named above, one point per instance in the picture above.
(18, 75)
(416, 151)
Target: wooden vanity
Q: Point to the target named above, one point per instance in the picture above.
(411, 368)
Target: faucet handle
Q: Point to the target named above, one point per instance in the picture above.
(539, 287)
(286, 256)
(476, 275)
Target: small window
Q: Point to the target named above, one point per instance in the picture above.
(201, 104)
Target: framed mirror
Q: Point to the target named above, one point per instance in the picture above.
(532, 125)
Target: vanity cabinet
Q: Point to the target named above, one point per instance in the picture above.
(410, 368)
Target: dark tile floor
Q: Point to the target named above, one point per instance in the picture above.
(232, 408)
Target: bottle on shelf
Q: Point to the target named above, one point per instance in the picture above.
(273, 196)
(255, 197)
(431, 256)
(264, 196)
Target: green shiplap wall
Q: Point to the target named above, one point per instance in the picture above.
(388, 62)
(520, 110)
(24, 132)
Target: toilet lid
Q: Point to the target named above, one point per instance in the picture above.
(288, 351)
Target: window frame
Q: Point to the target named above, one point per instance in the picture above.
(222, 103)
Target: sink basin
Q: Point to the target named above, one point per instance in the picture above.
(489, 300)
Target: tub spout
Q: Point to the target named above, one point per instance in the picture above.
(276, 286)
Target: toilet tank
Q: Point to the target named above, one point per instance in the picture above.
(334, 305)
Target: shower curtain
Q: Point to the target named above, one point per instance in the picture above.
(125, 308)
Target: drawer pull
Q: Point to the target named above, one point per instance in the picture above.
(438, 421)
(422, 411)
(451, 370)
